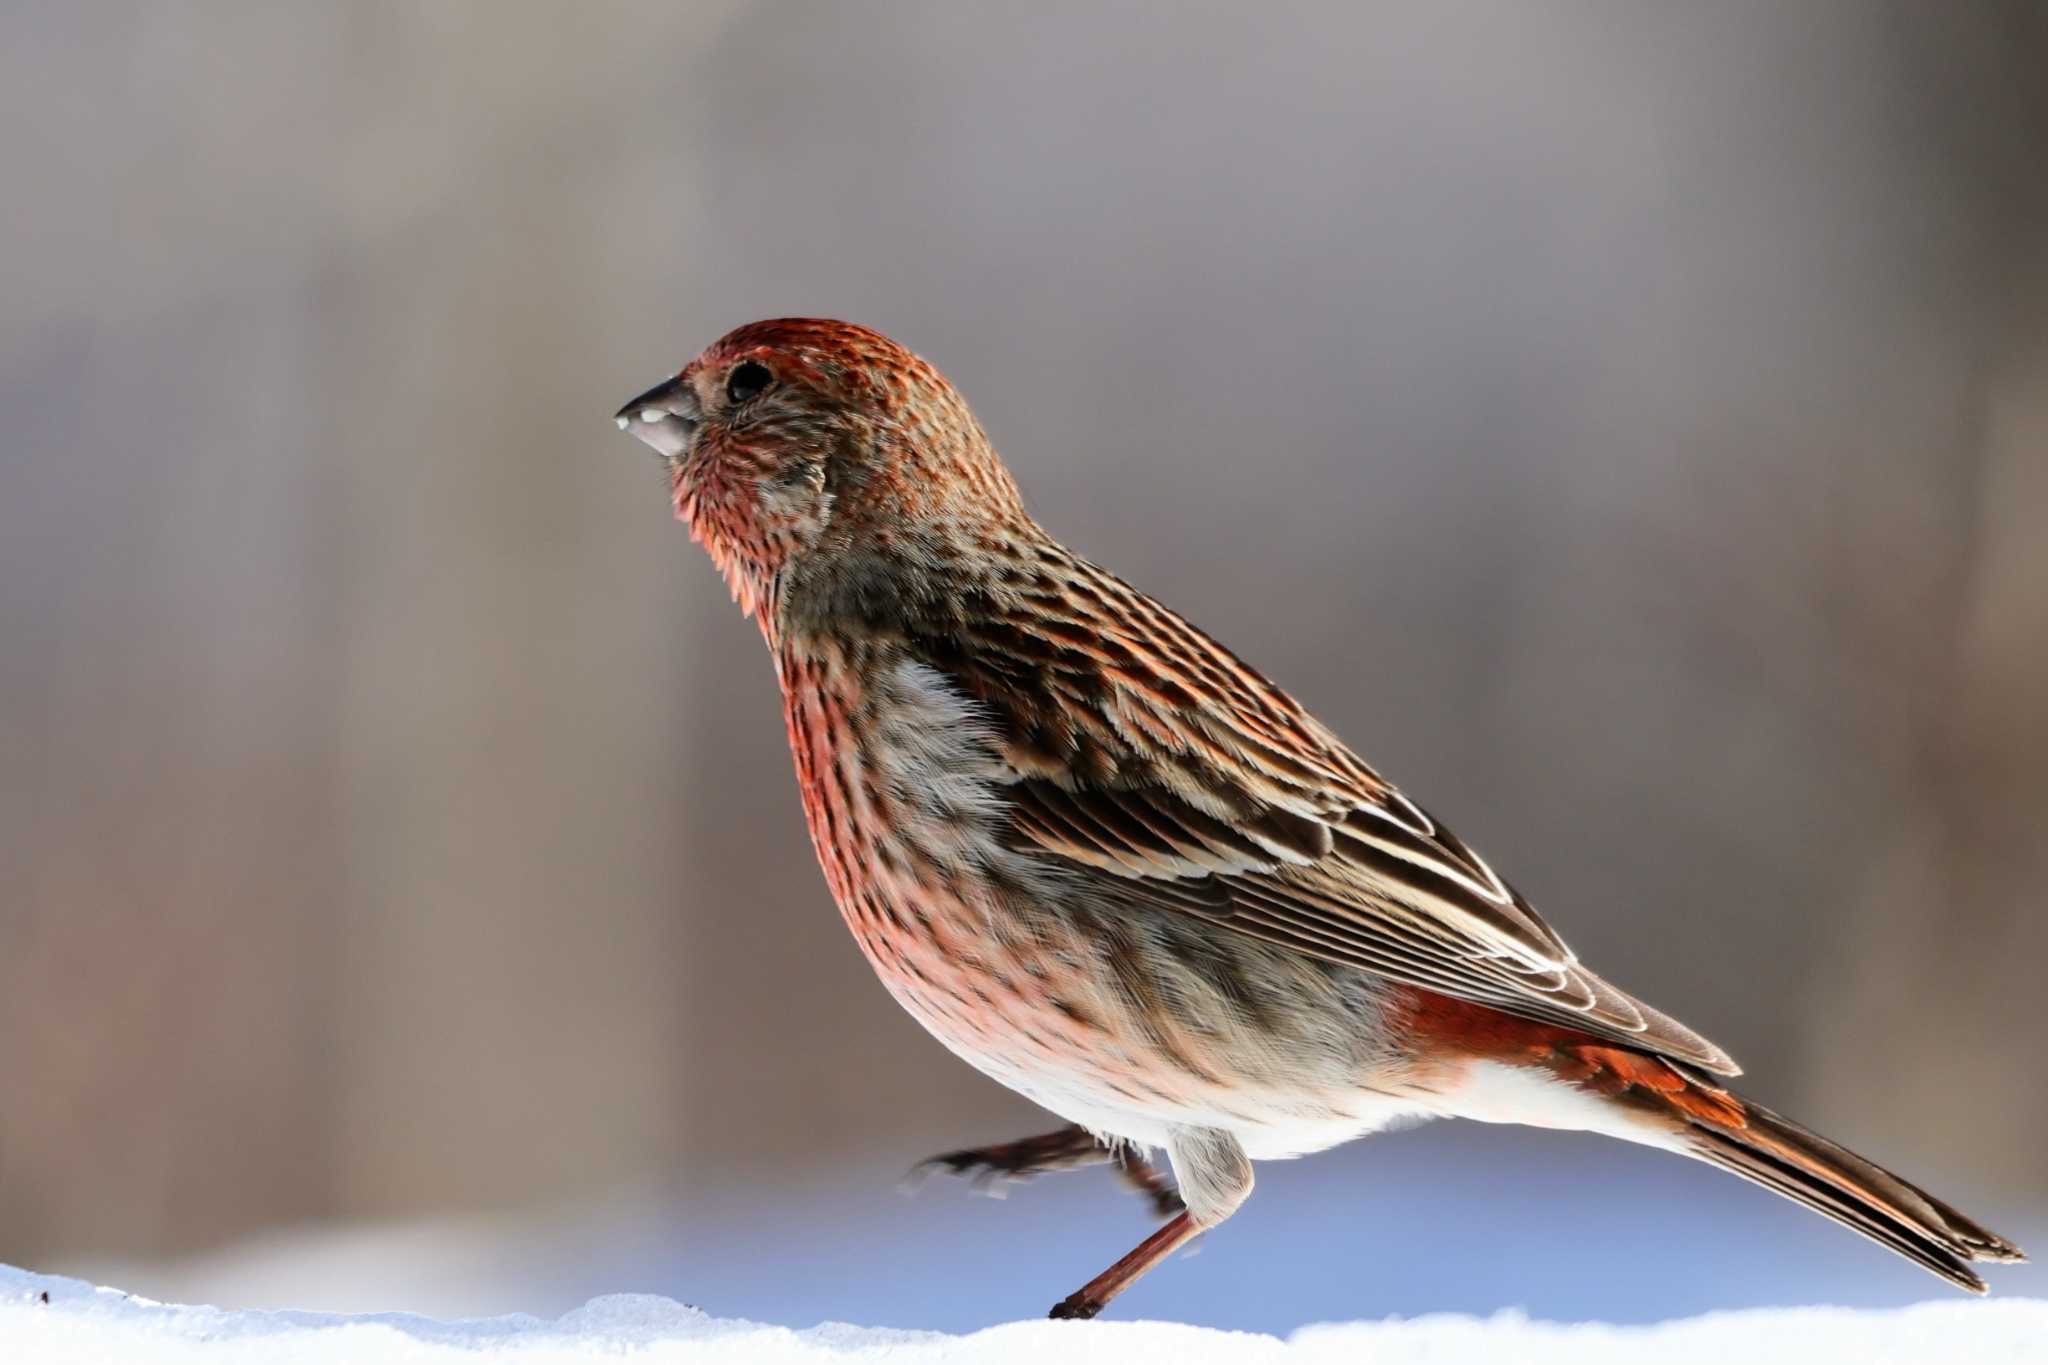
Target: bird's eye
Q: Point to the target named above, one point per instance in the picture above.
(746, 380)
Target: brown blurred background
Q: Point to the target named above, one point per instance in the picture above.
(1627, 423)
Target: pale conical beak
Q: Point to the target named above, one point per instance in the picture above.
(665, 417)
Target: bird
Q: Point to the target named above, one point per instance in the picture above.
(1112, 866)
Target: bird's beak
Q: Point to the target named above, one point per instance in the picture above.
(665, 417)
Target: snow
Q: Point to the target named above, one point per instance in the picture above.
(49, 1320)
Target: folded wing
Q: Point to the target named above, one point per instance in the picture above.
(1176, 778)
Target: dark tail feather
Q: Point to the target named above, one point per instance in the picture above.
(1780, 1155)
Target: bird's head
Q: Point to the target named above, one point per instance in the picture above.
(802, 447)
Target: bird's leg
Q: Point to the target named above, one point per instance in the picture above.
(1066, 1149)
(1215, 1177)
(1093, 1296)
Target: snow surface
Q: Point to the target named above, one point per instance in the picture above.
(48, 1320)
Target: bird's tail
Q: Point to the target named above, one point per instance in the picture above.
(1778, 1154)
(1671, 1104)
(1642, 1096)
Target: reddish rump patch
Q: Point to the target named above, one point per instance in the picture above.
(1452, 1030)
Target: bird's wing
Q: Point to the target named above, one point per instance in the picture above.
(1145, 752)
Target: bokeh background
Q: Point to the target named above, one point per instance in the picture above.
(1627, 423)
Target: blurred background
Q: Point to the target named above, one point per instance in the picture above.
(1626, 423)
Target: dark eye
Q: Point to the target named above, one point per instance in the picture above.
(746, 380)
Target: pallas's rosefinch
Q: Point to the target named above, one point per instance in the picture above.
(1109, 864)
